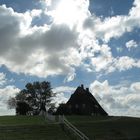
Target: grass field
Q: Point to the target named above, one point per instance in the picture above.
(29, 128)
(96, 128)
(108, 128)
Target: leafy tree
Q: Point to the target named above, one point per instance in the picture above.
(62, 109)
(22, 108)
(52, 109)
(11, 103)
(37, 95)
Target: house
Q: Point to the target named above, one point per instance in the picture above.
(81, 102)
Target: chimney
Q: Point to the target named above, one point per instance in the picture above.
(82, 86)
(87, 89)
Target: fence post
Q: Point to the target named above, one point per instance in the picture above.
(68, 125)
(61, 121)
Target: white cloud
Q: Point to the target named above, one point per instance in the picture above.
(104, 29)
(5, 93)
(125, 63)
(135, 87)
(72, 12)
(34, 50)
(105, 63)
(104, 60)
(4, 111)
(118, 100)
(70, 76)
(111, 28)
(58, 48)
(65, 89)
(115, 26)
(40, 50)
(59, 99)
(36, 13)
(131, 44)
(63, 93)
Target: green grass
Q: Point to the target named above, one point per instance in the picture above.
(21, 120)
(98, 128)
(29, 128)
(107, 128)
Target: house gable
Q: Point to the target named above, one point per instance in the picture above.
(82, 102)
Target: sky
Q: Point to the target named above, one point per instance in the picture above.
(69, 43)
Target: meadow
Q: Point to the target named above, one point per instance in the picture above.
(29, 128)
(96, 128)
(108, 128)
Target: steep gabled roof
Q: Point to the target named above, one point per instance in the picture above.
(83, 96)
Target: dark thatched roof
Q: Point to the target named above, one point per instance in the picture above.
(81, 102)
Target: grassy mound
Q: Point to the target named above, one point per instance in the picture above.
(107, 128)
(29, 128)
(96, 128)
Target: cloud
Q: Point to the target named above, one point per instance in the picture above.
(104, 60)
(62, 94)
(105, 63)
(34, 50)
(101, 60)
(6, 92)
(135, 87)
(115, 26)
(71, 12)
(118, 99)
(131, 44)
(70, 76)
(124, 63)
(59, 99)
(36, 13)
(58, 48)
(65, 89)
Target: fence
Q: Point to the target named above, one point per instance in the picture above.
(64, 122)
(71, 127)
(49, 117)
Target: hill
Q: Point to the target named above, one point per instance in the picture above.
(95, 127)
(107, 128)
(29, 128)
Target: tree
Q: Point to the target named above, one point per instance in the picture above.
(36, 95)
(62, 109)
(52, 109)
(22, 108)
(11, 103)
